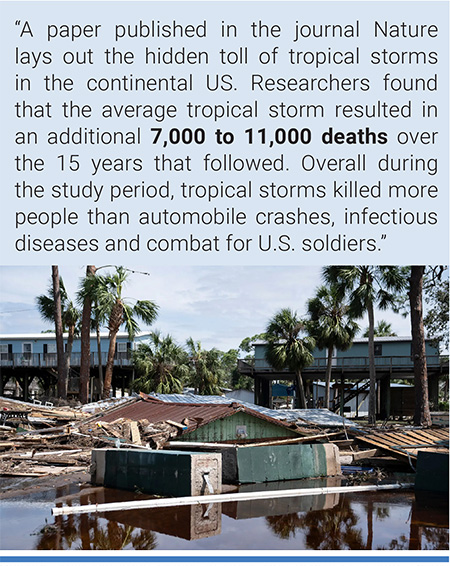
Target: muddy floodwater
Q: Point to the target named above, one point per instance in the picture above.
(396, 520)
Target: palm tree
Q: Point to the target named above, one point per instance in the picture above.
(57, 307)
(331, 326)
(383, 328)
(87, 294)
(206, 366)
(161, 364)
(113, 306)
(287, 349)
(367, 286)
(57, 317)
(422, 415)
(86, 342)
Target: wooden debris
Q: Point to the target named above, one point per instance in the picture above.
(178, 425)
(135, 435)
(297, 440)
(405, 443)
(347, 458)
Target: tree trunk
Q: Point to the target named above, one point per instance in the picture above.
(68, 354)
(328, 377)
(86, 343)
(301, 399)
(372, 371)
(100, 360)
(422, 415)
(110, 362)
(62, 373)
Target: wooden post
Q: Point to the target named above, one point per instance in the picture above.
(385, 397)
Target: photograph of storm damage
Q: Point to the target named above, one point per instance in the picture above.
(224, 408)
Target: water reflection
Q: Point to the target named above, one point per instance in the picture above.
(340, 528)
(328, 529)
(354, 521)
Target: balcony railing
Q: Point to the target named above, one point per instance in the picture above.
(121, 359)
(355, 363)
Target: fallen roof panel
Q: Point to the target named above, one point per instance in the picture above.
(406, 443)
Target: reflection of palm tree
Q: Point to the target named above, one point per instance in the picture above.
(118, 537)
(144, 540)
(400, 543)
(436, 538)
(328, 529)
(369, 509)
(89, 535)
(283, 526)
(381, 513)
(332, 529)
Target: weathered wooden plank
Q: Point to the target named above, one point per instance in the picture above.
(441, 434)
(299, 440)
(381, 445)
(135, 435)
(420, 438)
(389, 439)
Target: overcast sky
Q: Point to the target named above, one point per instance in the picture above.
(217, 305)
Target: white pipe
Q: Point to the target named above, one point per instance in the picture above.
(219, 498)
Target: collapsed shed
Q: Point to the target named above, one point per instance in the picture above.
(206, 422)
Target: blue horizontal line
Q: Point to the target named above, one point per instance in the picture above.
(125, 558)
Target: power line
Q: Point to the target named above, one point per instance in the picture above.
(21, 310)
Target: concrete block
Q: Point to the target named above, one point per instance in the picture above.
(163, 472)
(98, 460)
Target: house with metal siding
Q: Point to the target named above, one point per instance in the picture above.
(393, 360)
(24, 357)
(396, 347)
(39, 350)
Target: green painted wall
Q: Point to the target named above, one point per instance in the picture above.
(222, 430)
(277, 463)
(159, 472)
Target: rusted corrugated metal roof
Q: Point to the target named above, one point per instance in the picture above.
(198, 414)
(314, 417)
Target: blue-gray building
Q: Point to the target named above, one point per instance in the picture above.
(24, 357)
(350, 372)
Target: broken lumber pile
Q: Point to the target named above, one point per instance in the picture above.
(41, 463)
